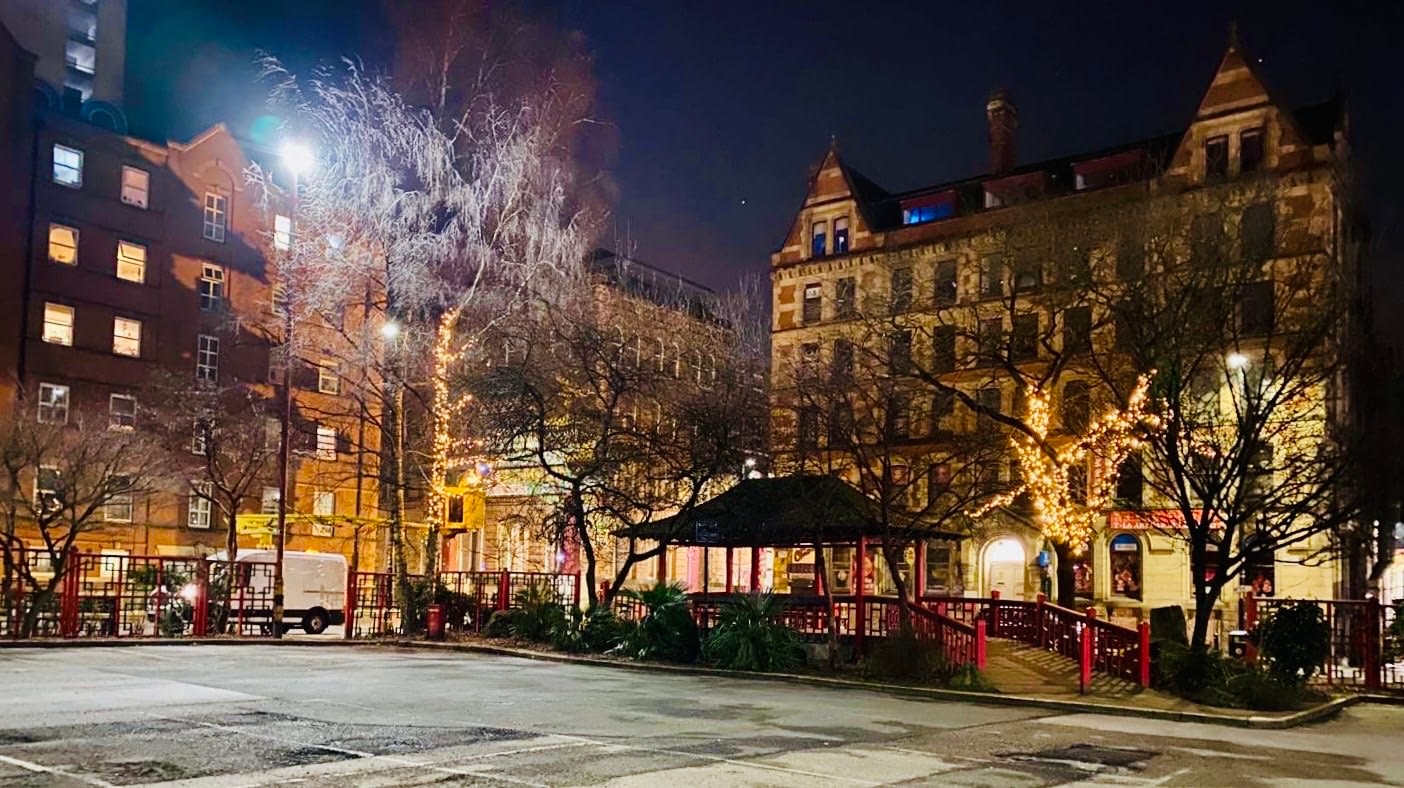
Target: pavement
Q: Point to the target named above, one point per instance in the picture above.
(215, 715)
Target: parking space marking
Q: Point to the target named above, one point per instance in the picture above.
(42, 769)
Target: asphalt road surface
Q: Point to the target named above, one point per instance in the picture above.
(308, 716)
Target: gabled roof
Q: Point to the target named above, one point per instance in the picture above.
(780, 512)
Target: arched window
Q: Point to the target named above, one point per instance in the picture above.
(1126, 574)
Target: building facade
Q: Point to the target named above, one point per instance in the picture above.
(80, 48)
(936, 263)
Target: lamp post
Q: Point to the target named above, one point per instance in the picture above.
(297, 158)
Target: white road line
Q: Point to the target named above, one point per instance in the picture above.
(42, 769)
(372, 756)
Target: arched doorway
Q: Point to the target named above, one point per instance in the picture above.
(1005, 568)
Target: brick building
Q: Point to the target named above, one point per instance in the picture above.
(129, 256)
(932, 258)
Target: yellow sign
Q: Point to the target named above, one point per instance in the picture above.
(256, 524)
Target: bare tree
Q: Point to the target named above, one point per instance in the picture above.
(1240, 307)
(62, 479)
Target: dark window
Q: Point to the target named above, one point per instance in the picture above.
(1259, 565)
(1258, 228)
(899, 418)
(808, 431)
(813, 302)
(1077, 329)
(1124, 328)
(1131, 258)
(943, 346)
(1257, 480)
(988, 399)
(946, 287)
(1216, 157)
(455, 512)
(841, 235)
(840, 424)
(818, 244)
(1130, 485)
(901, 299)
(1250, 150)
(991, 277)
(991, 340)
(1028, 275)
(841, 366)
(900, 352)
(845, 296)
(942, 405)
(1025, 345)
(1206, 237)
(1077, 407)
(1255, 309)
(938, 481)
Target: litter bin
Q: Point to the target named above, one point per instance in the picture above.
(436, 622)
(1238, 644)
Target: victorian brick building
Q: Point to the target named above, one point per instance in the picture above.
(935, 263)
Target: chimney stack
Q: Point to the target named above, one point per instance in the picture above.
(1003, 120)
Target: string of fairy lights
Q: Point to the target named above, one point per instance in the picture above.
(1110, 440)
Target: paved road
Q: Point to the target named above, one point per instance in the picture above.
(263, 715)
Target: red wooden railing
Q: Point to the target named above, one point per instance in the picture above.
(1366, 645)
(374, 609)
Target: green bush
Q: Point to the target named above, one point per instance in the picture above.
(1255, 688)
(905, 657)
(538, 613)
(666, 630)
(500, 624)
(1394, 637)
(749, 635)
(1295, 642)
(968, 678)
(1213, 679)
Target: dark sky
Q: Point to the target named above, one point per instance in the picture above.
(722, 106)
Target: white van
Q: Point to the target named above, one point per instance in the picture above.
(314, 587)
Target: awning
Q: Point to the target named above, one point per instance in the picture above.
(783, 512)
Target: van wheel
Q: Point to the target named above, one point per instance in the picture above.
(315, 622)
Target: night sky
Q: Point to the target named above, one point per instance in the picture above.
(722, 107)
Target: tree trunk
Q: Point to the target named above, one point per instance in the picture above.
(431, 553)
(1064, 591)
(1204, 600)
(231, 554)
(904, 605)
(587, 548)
(392, 488)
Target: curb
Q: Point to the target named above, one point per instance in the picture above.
(1261, 722)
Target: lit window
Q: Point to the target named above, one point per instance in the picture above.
(136, 184)
(207, 359)
(326, 443)
(200, 506)
(328, 377)
(80, 57)
(82, 23)
(841, 235)
(126, 337)
(58, 324)
(813, 308)
(272, 433)
(211, 287)
(68, 166)
(216, 216)
(1126, 566)
(53, 404)
(48, 484)
(131, 261)
(63, 244)
(269, 503)
(282, 233)
(324, 502)
(121, 412)
(118, 508)
(200, 435)
(819, 236)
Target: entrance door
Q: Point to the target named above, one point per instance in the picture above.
(1005, 568)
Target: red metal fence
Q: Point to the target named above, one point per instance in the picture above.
(1367, 640)
(102, 595)
(468, 599)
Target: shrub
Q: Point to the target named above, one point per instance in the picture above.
(749, 635)
(1211, 678)
(1255, 688)
(666, 630)
(905, 657)
(538, 613)
(1295, 642)
(596, 631)
(500, 624)
(1394, 637)
(968, 678)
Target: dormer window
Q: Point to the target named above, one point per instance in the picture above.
(928, 209)
(1250, 150)
(819, 239)
(841, 235)
(1216, 157)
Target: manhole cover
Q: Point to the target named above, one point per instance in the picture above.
(1085, 757)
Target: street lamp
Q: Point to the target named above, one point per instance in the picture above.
(390, 329)
(299, 160)
(1236, 361)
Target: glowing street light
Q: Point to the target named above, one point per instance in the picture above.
(297, 157)
(1236, 361)
(390, 329)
